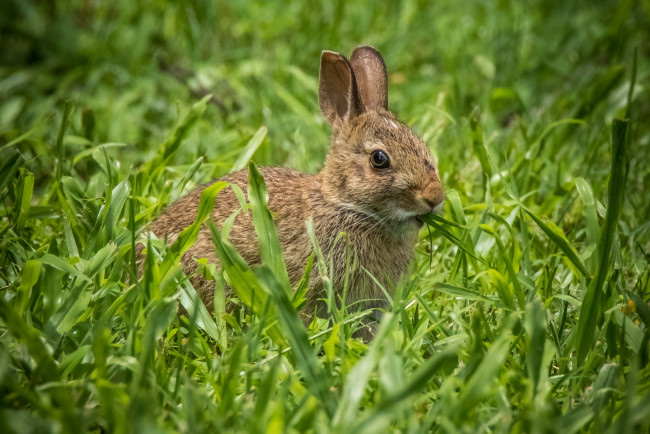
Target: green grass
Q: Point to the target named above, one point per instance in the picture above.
(526, 308)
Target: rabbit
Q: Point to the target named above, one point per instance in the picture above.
(377, 179)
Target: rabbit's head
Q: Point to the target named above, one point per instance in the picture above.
(376, 165)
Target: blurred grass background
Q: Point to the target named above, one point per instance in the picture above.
(100, 128)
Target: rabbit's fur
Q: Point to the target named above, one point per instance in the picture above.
(376, 208)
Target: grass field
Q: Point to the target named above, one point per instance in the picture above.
(526, 309)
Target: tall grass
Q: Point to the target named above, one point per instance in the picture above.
(526, 308)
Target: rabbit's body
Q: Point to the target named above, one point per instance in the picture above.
(384, 253)
(378, 177)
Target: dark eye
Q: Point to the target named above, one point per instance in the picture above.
(379, 160)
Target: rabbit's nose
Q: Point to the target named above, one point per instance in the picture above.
(434, 197)
(435, 204)
(430, 203)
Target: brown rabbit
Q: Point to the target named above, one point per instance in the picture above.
(378, 178)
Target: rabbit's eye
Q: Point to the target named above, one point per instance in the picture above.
(379, 160)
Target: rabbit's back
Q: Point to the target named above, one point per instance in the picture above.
(285, 195)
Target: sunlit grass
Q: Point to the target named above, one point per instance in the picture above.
(526, 308)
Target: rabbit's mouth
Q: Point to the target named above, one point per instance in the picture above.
(418, 221)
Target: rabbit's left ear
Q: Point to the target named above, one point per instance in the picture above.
(337, 89)
(370, 73)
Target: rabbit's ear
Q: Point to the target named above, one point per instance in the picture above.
(337, 88)
(370, 72)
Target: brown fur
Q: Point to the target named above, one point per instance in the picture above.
(376, 208)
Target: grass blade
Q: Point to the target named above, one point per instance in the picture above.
(559, 239)
(535, 324)
(265, 227)
(244, 282)
(65, 120)
(419, 380)
(592, 308)
(479, 384)
(9, 168)
(468, 294)
(171, 146)
(45, 366)
(357, 379)
(315, 378)
(518, 291)
(25, 189)
(190, 300)
(591, 216)
(188, 236)
(28, 278)
(250, 148)
(433, 222)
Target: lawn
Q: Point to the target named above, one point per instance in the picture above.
(526, 308)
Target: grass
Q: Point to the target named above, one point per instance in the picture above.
(526, 308)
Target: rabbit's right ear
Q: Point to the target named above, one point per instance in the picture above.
(370, 73)
(337, 89)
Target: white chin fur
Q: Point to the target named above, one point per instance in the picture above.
(398, 215)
